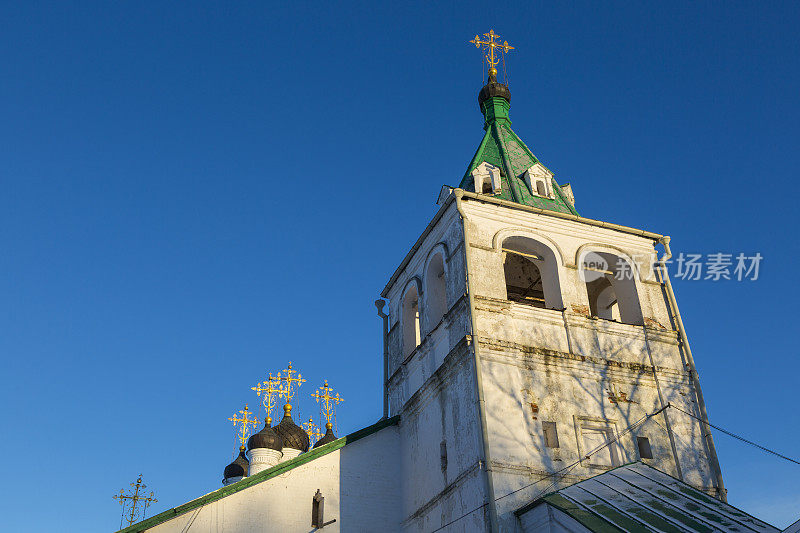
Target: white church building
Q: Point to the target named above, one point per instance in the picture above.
(537, 378)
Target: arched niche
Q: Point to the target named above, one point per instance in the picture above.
(531, 272)
(435, 289)
(410, 318)
(610, 286)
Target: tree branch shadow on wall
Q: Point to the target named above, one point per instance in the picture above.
(565, 388)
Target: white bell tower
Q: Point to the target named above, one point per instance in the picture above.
(530, 348)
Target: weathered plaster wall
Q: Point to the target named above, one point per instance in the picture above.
(359, 482)
(562, 366)
(433, 389)
(556, 365)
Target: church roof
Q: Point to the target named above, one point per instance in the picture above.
(266, 438)
(502, 148)
(637, 497)
(239, 467)
(269, 473)
(292, 435)
(328, 437)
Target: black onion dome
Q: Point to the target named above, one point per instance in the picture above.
(266, 438)
(328, 437)
(293, 436)
(239, 467)
(492, 89)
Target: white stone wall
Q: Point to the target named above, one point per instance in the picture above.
(555, 365)
(433, 389)
(263, 458)
(567, 363)
(359, 482)
(442, 417)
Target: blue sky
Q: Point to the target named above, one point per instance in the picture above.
(194, 195)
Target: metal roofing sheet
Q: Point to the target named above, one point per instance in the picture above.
(637, 497)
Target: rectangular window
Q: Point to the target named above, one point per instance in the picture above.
(550, 434)
(645, 452)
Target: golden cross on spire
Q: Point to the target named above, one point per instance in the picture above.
(138, 502)
(269, 388)
(287, 391)
(328, 402)
(490, 45)
(245, 424)
(312, 429)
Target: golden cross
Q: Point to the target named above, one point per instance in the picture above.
(312, 429)
(245, 422)
(328, 402)
(489, 45)
(287, 391)
(136, 499)
(269, 388)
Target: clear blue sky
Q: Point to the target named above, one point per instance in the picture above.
(194, 194)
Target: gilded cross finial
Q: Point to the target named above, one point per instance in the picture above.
(271, 388)
(289, 383)
(328, 403)
(314, 434)
(493, 49)
(135, 500)
(245, 422)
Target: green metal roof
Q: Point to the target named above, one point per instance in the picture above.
(502, 148)
(280, 468)
(637, 497)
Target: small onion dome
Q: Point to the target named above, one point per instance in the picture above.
(239, 467)
(293, 435)
(328, 437)
(266, 438)
(492, 89)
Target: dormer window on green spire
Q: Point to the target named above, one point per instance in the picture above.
(487, 179)
(539, 181)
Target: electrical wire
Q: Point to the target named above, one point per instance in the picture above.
(627, 430)
(616, 438)
(735, 436)
(594, 451)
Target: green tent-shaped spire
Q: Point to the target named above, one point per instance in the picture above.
(502, 148)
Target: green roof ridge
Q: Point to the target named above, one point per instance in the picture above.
(278, 469)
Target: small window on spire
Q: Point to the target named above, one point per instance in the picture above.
(487, 179)
(538, 180)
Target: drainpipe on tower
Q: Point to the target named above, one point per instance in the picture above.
(701, 404)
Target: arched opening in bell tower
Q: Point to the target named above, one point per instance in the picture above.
(435, 292)
(410, 316)
(523, 280)
(603, 301)
(611, 287)
(531, 273)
